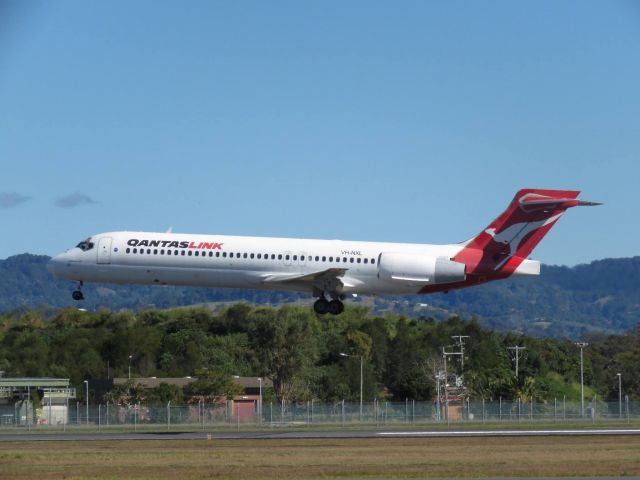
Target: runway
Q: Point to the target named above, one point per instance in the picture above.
(343, 434)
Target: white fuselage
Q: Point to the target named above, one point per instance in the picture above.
(326, 268)
(237, 262)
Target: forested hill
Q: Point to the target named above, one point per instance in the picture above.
(603, 296)
(600, 297)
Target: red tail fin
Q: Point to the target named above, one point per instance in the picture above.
(511, 237)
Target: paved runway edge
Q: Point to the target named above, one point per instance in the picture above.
(31, 437)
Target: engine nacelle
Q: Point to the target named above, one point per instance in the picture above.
(412, 268)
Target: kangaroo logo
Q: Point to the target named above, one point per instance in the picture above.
(514, 234)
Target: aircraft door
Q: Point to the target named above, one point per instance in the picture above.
(104, 250)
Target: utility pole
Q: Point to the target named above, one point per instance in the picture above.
(446, 385)
(517, 349)
(446, 379)
(582, 345)
(460, 341)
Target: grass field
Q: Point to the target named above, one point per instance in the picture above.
(323, 458)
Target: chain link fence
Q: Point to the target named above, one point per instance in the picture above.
(342, 414)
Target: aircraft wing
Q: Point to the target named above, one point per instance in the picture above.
(331, 279)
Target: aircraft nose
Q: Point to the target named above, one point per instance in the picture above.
(60, 264)
(54, 263)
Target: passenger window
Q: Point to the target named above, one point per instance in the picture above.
(338, 259)
(217, 254)
(366, 260)
(324, 259)
(175, 252)
(317, 258)
(190, 253)
(351, 260)
(245, 255)
(273, 256)
(331, 259)
(155, 251)
(287, 257)
(197, 253)
(135, 250)
(302, 258)
(359, 260)
(224, 254)
(182, 253)
(373, 260)
(148, 251)
(344, 259)
(259, 256)
(251, 256)
(280, 257)
(295, 257)
(127, 250)
(161, 252)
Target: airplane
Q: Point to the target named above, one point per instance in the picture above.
(330, 270)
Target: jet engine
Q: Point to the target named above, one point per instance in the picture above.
(415, 268)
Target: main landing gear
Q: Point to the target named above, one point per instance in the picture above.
(323, 306)
(77, 294)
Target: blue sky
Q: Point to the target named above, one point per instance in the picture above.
(388, 121)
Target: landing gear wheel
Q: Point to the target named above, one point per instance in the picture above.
(77, 295)
(336, 307)
(321, 306)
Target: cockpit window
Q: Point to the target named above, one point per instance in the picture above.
(85, 245)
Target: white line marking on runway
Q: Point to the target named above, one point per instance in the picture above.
(470, 433)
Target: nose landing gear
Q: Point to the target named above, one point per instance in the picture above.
(77, 294)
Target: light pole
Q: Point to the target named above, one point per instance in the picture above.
(619, 375)
(260, 399)
(130, 357)
(361, 368)
(86, 384)
(582, 345)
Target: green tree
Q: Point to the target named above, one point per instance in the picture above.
(28, 353)
(211, 385)
(164, 393)
(285, 345)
